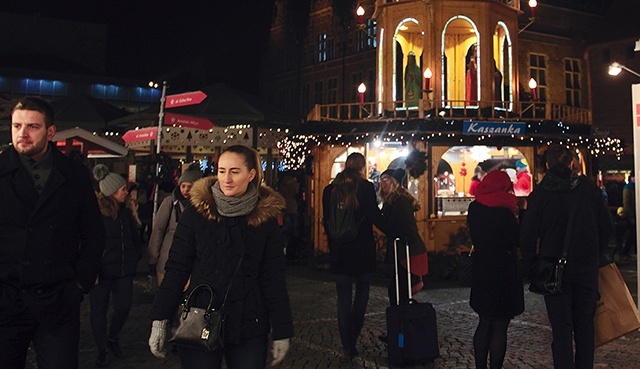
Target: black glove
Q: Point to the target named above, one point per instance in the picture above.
(152, 270)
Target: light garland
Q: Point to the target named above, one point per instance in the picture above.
(296, 148)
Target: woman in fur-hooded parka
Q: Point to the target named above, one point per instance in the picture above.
(206, 249)
(122, 249)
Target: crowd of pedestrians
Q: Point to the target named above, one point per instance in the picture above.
(62, 237)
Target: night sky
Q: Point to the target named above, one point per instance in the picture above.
(190, 43)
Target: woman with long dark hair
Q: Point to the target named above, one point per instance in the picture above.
(353, 262)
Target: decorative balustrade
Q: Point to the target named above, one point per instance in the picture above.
(456, 109)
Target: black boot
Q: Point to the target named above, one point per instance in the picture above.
(114, 347)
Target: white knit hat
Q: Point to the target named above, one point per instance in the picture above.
(108, 182)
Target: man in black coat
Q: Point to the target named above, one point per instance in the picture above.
(571, 311)
(51, 241)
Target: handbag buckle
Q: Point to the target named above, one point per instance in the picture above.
(205, 334)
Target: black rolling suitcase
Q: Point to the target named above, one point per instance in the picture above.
(412, 336)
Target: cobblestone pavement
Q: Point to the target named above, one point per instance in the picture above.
(317, 343)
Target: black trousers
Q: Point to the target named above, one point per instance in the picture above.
(121, 292)
(571, 316)
(55, 347)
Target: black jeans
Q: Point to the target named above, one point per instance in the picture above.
(55, 348)
(248, 354)
(121, 291)
(351, 312)
(571, 316)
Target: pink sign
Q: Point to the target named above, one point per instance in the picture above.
(189, 98)
(187, 121)
(137, 135)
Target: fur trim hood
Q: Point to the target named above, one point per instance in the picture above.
(109, 207)
(270, 204)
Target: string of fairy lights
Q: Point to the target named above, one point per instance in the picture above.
(296, 148)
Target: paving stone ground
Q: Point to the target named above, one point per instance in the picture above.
(317, 342)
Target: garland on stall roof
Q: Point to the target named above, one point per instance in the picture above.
(297, 147)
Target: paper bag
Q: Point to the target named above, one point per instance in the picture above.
(616, 312)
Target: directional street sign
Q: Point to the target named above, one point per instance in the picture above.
(188, 98)
(187, 121)
(137, 135)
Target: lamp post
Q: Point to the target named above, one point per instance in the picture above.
(614, 70)
(617, 68)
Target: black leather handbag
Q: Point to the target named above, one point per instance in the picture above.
(198, 328)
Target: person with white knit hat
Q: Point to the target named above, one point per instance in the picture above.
(119, 263)
(166, 221)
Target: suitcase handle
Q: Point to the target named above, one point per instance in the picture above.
(395, 259)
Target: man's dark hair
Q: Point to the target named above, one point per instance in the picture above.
(559, 155)
(37, 104)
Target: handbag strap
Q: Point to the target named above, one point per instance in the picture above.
(567, 235)
(234, 232)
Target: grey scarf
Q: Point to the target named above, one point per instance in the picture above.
(235, 206)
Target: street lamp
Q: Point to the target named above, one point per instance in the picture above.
(616, 68)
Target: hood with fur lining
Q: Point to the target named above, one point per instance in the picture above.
(270, 204)
(109, 207)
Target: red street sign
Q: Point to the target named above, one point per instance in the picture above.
(137, 135)
(186, 121)
(189, 98)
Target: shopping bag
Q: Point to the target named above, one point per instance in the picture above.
(616, 312)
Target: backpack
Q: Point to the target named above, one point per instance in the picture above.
(342, 225)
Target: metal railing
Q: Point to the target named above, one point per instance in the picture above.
(456, 109)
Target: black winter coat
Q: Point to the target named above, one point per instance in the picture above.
(122, 249)
(402, 223)
(496, 288)
(547, 216)
(205, 248)
(48, 242)
(357, 257)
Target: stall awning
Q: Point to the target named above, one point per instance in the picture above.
(90, 145)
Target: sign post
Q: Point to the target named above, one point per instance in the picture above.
(175, 101)
(163, 98)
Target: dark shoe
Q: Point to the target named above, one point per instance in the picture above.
(102, 361)
(114, 347)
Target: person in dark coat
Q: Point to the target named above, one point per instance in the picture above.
(51, 240)
(232, 216)
(398, 209)
(166, 221)
(496, 289)
(119, 263)
(545, 222)
(354, 262)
